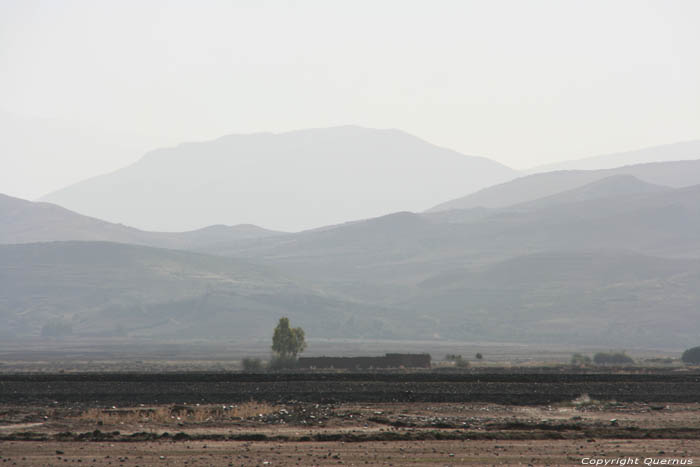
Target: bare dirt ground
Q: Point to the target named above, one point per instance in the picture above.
(69, 403)
(260, 433)
(419, 453)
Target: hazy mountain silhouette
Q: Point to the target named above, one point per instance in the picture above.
(58, 144)
(287, 181)
(403, 247)
(577, 297)
(686, 150)
(605, 253)
(24, 221)
(531, 187)
(584, 265)
(615, 185)
(102, 289)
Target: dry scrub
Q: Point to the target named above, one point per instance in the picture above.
(174, 414)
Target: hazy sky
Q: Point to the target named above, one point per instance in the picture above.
(522, 82)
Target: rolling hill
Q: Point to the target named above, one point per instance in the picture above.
(602, 298)
(616, 260)
(610, 187)
(288, 181)
(616, 251)
(671, 174)
(105, 289)
(24, 221)
(403, 247)
(686, 150)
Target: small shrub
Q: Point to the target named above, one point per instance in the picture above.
(282, 363)
(580, 359)
(612, 358)
(460, 362)
(691, 356)
(583, 399)
(252, 364)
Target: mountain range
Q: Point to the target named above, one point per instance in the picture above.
(31, 222)
(287, 181)
(685, 150)
(531, 187)
(573, 267)
(609, 258)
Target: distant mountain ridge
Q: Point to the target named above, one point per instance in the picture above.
(674, 174)
(23, 221)
(287, 181)
(615, 258)
(684, 150)
(403, 247)
(612, 186)
(603, 255)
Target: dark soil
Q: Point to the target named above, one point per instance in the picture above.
(515, 389)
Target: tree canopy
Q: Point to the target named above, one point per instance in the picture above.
(691, 356)
(286, 341)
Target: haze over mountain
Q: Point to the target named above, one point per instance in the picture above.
(255, 205)
(580, 266)
(531, 187)
(611, 298)
(104, 289)
(43, 154)
(287, 181)
(24, 221)
(685, 150)
(612, 186)
(404, 247)
(530, 272)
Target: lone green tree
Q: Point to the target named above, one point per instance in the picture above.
(287, 342)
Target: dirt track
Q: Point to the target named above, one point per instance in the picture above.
(442, 453)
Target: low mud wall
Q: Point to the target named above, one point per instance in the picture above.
(390, 360)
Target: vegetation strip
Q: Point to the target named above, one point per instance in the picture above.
(552, 432)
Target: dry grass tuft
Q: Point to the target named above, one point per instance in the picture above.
(583, 399)
(173, 414)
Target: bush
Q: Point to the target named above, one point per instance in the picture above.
(691, 356)
(252, 364)
(460, 362)
(580, 359)
(282, 363)
(612, 358)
